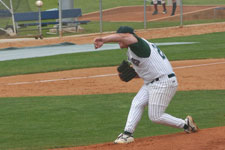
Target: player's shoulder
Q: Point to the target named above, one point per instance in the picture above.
(141, 48)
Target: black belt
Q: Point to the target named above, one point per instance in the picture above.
(169, 76)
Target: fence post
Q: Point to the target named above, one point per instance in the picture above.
(13, 19)
(60, 17)
(181, 13)
(145, 21)
(39, 20)
(100, 13)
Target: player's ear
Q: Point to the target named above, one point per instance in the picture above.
(133, 39)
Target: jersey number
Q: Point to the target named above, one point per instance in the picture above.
(161, 53)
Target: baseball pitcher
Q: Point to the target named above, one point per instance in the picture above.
(146, 61)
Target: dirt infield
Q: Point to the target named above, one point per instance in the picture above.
(205, 74)
(124, 14)
(192, 75)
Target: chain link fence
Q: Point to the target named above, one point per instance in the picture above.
(107, 16)
(7, 8)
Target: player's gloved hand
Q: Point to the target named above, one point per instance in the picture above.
(126, 72)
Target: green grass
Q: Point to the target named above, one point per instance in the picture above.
(209, 46)
(61, 62)
(93, 27)
(38, 123)
(204, 2)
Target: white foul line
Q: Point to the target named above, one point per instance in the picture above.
(65, 79)
(191, 66)
(104, 75)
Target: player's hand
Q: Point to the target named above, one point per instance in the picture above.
(98, 42)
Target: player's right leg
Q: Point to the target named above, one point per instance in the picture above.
(160, 95)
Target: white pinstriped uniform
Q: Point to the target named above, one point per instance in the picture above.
(156, 95)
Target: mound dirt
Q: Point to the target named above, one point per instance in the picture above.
(206, 139)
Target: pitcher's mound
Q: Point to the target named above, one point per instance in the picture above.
(206, 139)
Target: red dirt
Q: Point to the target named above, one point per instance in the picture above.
(124, 14)
(89, 81)
(205, 74)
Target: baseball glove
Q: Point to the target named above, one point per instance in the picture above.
(126, 72)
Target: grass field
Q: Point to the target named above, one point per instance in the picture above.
(39, 123)
(209, 46)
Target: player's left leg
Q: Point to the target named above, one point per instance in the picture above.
(155, 3)
(137, 107)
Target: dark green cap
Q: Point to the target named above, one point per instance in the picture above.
(125, 29)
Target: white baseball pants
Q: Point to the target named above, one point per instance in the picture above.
(156, 96)
(156, 1)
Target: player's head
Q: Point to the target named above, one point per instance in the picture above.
(125, 29)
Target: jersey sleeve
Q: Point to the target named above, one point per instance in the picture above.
(141, 48)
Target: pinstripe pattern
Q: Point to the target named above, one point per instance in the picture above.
(156, 95)
(137, 107)
(160, 95)
(152, 67)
